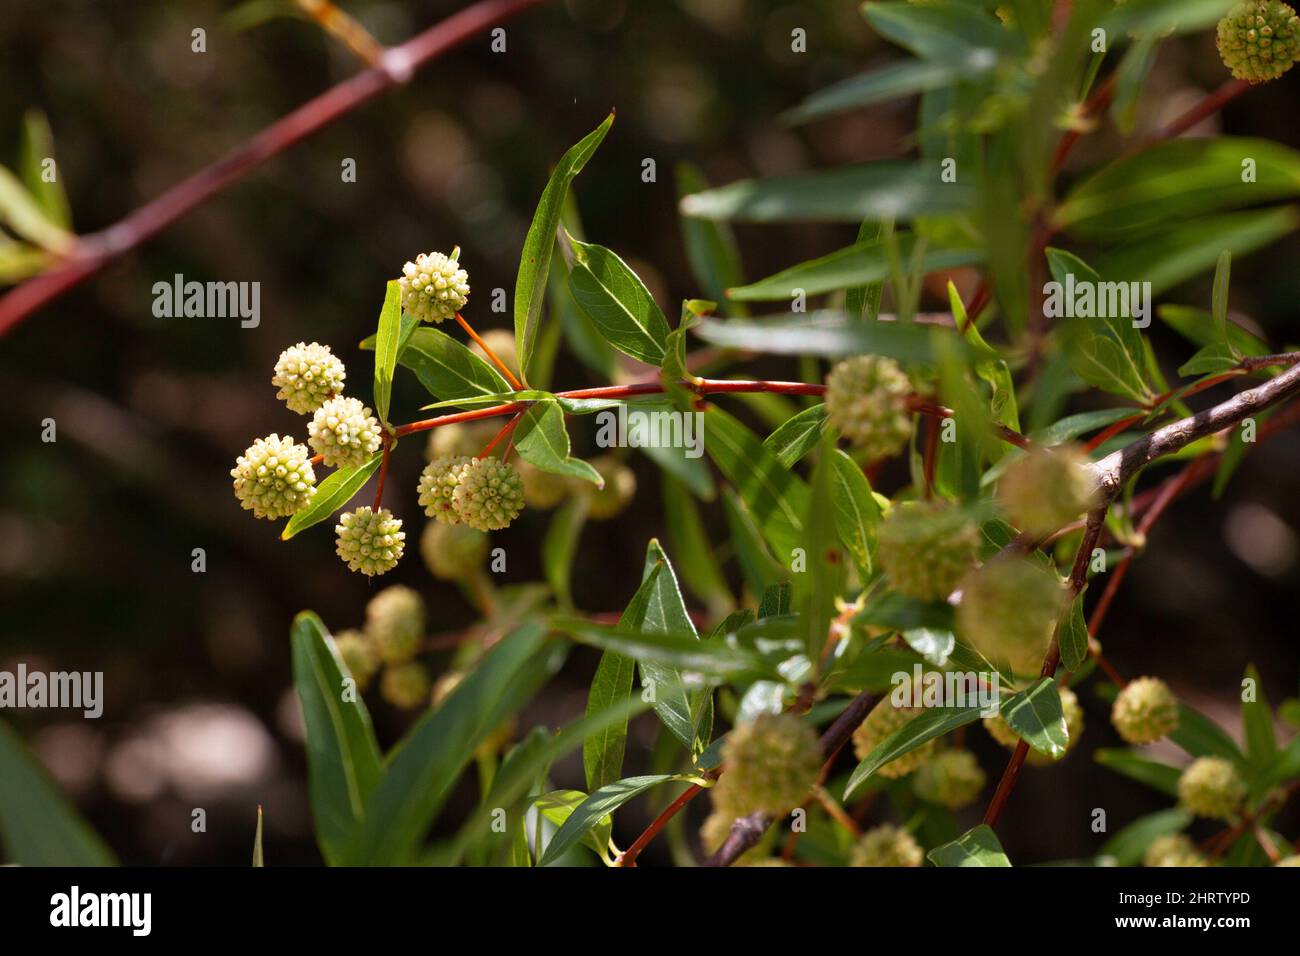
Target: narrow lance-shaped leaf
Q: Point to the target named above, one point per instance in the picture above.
(445, 367)
(710, 246)
(539, 244)
(387, 342)
(594, 811)
(857, 513)
(331, 495)
(542, 439)
(617, 302)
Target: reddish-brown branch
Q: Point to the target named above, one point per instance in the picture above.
(931, 454)
(383, 472)
(95, 251)
(1207, 107)
(628, 856)
(506, 429)
(492, 356)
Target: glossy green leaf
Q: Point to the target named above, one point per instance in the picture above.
(333, 493)
(38, 150)
(1202, 737)
(1072, 636)
(1035, 714)
(387, 343)
(829, 334)
(712, 658)
(857, 513)
(1257, 721)
(1128, 845)
(38, 826)
(594, 811)
(617, 302)
(946, 30)
(890, 82)
(560, 545)
(558, 806)
(710, 245)
(1159, 776)
(759, 569)
(542, 439)
(798, 435)
(975, 847)
(1072, 426)
(447, 369)
(20, 211)
(539, 244)
(686, 533)
(919, 730)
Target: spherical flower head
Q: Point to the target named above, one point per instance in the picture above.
(489, 494)
(951, 778)
(886, 845)
(369, 541)
(884, 720)
(1145, 710)
(1008, 611)
(395, 623)
(452, 552)
(771, 763)
(405, 686)
(1259, 41)
(616, 494)
(1289, 861)
(1003, 733)
(274, 477)
(344, 432)
(1173, 849)
(502, 344)
(1047, 488)
(926, 547)
(462, 440)
(358, 656)
(866, 399)
(1211, 787)
(542, 489)
(434, 286)
(306, 375)
(437, 485)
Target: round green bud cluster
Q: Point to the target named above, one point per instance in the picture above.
(951, 778)
(771, 763)
(1008, 611)
(542, 489)
(1173, 849)
(307, 375)
(502, 344)
(274, 477)
(1145, 710)
(616, 494)
(1071, 710)
(866, 399)
(886, 845)
(437, 483)
(925, 547)
(460, 440)
(452, 552)
(489, 494)
(1211, 787)
(344, 433)
(395, 623)
(1047, 488)
(884, 720)
(1259, 40)
(434, 286)
(358, 655)
(370, 541)
(405, 686)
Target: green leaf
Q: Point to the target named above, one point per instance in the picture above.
(331, 495)
(1157, 775)
(1219, 298)
(798, 435)
(1257, 721)
(710, 246)
(1197, 326)
(1072, 636)
(1163, 17)
(1129, 844)
(1130, 77)
(1202, 737)
(558, 806)
(776, 498)
(343, 761)
(37, 148)
(860, 264)
(38, 826)
(1210, 360)
(595, 810)
(387, 342)
(950, 32)
(560, 545)
(934, 644)
(824, 576)
(830, 334)
(539, 244)
(690, 543)
(542, 439)
(602, 753)
(20, 211)
(881, 190)
(862, 303)
(975, 847)
(1178, 179)
(424, 767)
(1233, 455)
(1035, 714)
(1072, 426)
(445, 367)
(759, 569)
(857, 513)
(919, 730)
(711, 658)
(889, 82)
(617, 302)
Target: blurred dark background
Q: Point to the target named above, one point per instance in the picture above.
(96, 530)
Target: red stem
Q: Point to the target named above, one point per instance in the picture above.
(383, 473)
(628, 856)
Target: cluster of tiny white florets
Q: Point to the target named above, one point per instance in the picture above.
(434, 286)
(344, 433)
(307, 375)
(274, 477)
(370, 541)
(485, 493)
